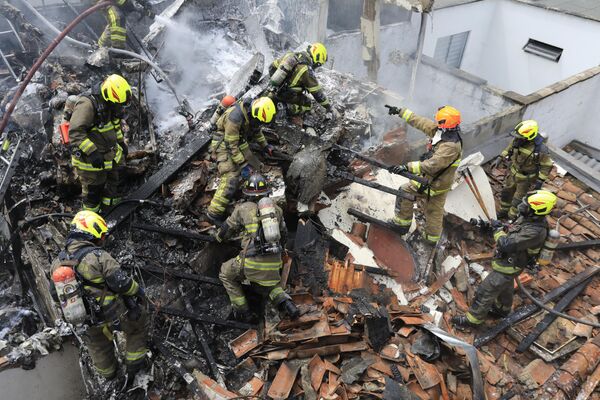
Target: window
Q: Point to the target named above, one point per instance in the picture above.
(543, 50)
(450, 49)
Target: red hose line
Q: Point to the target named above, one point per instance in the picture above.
(43, 57)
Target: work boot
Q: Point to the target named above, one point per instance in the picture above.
(399, 229)
(461, 322)
(290, 309)
(242, 315)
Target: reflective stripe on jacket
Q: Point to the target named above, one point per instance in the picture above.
(261, 269)
(520, 246)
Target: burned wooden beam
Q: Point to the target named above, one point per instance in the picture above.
(549, 318)
(174, 232)
(367, 218)
(526, 311)
(582, 245)
(120, 213)
(204, 318)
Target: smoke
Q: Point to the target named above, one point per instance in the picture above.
(200, 57)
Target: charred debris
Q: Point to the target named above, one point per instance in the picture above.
(377, 329)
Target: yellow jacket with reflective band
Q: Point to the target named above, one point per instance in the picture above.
(519, 246)
(302, 76)
(234, 129)
(87, 136)
(95, 267)
(444, 154)
(265, 269)
(524, 162)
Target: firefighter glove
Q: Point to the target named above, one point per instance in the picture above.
(538, 184)
(246, 171)
(96, 159)
(134, 311)
(393, 110)
(268, 149)
(495, 224)
(398, 169)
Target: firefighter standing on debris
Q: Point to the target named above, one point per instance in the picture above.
(293, 75)
(230, 147)
(263, 241)
(97, 144)
(115, 32)
(530, 165)
(517, 247)
(110, 295)
(438, 166)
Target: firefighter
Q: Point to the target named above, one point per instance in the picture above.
(437, 165)
(115, 32)
(97, 144)
(110, 295)
(530, 165)
(292, 75)
(238, 124)
(263, 241)
(517, 247)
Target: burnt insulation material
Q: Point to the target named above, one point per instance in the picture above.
(310, 249)
(307, 174)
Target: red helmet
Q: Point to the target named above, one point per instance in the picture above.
(227, 101)
(447, 117)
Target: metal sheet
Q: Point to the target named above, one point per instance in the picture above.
(393, 252)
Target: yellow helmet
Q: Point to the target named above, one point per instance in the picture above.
(541, 202)
(526, 130)
(263, 109)
(318, 53)
(89, 222)
(115, 89)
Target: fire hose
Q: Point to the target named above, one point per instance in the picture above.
(551, 311)
(110, 49)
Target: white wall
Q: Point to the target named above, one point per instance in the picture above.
(500, 29)
(570, 114)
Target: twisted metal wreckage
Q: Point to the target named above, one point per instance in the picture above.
(366, 331)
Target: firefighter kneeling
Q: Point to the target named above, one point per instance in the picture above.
(264, 232)
(517, 247)
(110, 296)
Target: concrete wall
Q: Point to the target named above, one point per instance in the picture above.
(498, 31)
(570, 113)
(436, 83)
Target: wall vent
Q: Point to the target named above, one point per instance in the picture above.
(543, 50)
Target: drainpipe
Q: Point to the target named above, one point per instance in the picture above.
(417, 62)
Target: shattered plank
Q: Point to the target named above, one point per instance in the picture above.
(119, 213)
(200, 332)
(174, 232)
(549, 318)
(582, 245)
(530, 309)
(284, 380)
(367, 218)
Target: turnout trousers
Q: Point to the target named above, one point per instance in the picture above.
(515, 187)
(494, 293)
(232, 275)
(99, 188)
(434, 211)
(115, 33)
(99, 341)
